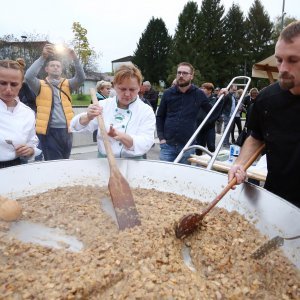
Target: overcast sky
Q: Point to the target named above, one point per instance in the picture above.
(114, 26)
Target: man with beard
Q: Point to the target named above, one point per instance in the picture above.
(275, 122)
(177, 114)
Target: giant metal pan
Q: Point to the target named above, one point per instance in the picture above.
(272, 215)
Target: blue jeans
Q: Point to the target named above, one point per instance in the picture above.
(226, 121)
(56, 144)
(170, 152)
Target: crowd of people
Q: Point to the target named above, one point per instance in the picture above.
(37, 115)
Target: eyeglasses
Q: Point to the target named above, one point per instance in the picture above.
(183, 73)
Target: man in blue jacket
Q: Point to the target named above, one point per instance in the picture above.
(176, 118)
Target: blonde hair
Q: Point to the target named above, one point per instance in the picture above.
(253, 90)
(239, 92)
(18, 64)
(128, 71)
(101, 84)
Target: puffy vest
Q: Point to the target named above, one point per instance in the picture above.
(44, 103)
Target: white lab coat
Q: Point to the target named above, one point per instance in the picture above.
(138, 121)
(19, 127)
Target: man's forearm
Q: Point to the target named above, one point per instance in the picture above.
(31, 74)
(79, 77)
(84, 120)
(250, 146)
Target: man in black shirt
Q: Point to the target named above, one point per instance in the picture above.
(275, 122)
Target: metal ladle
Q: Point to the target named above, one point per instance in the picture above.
(189, 223)
(270, 246)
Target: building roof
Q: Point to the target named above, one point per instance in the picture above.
(21, 43)
(123, 59)
(94, 76)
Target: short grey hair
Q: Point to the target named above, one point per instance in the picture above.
(147, 83)
(101, 84)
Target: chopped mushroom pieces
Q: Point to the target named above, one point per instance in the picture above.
(143, 262)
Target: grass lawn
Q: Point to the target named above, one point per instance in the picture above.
(81, 100)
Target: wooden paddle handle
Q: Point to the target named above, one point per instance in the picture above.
(233, 181)
(107, 145)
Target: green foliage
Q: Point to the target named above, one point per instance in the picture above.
(277, 27)
(235, 45)
(30, 49)
(259, 36)
(211, 40)
(81, 99)
(259, 32)
(81, 44)
(152, 52)
(184, 47)
(221, 46)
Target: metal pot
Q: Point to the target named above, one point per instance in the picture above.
(271, 214)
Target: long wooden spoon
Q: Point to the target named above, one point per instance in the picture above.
(189, 223)
(120, 192)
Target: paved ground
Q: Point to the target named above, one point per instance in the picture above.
(90, 151)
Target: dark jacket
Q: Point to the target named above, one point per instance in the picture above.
(176, 118)
(151, 96)
(202, 114)
(227, 103)
(27, 96)
(247, 102)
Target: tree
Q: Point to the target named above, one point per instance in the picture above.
(92, 63)
(210, 41)
(260, 38)
(235, 46)
(184, 41)
(277, 27)
(153, 50)
(30, 49)
(81, 43)
(259, 33)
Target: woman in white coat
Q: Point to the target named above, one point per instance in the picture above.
(130, 123)
(17, 127)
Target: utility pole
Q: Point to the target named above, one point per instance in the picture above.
(24, 37)
(283, 13)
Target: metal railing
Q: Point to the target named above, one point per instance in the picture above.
(234, 81)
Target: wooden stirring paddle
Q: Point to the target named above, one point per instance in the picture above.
(120, 192)
(189, 223)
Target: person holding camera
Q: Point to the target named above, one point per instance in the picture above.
(54, 102)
